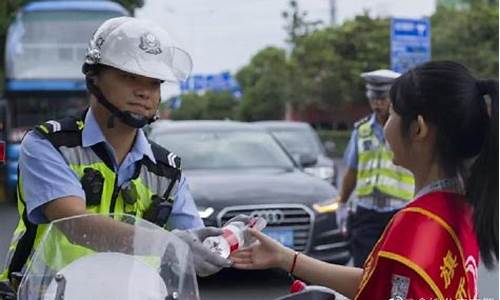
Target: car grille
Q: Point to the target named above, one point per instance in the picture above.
(296, 217)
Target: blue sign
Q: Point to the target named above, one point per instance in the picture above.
(410, 43)
(212, 82)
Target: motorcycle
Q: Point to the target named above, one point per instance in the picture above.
(76, 261)
(141, 260)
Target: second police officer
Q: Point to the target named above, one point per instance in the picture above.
(380, 187)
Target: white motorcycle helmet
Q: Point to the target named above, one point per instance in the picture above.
(138, 47)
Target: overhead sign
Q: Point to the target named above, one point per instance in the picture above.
(212, 82)
(410, 43)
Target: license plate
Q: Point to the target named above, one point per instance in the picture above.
(282, 235)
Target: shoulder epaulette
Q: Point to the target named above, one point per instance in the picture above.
(166, 157)
(64, 132)
(362, 121)
(63, 125)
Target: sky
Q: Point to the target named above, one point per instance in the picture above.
(223, 35)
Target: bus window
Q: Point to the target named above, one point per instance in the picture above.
(49, 44)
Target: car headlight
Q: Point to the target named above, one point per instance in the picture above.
(326, 207)
(205, 212)
(321, 172)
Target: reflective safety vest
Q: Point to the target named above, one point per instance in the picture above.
(148, 195)
(376, 172)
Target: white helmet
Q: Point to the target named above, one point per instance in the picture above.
(139, 47)
(378, 83)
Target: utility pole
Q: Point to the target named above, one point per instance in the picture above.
(333, 12)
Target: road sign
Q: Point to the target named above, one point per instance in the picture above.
(212, 82)
(410, 43)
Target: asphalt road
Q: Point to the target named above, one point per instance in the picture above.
(231, 284)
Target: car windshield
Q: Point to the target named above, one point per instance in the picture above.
(301, 141)
(225, 150)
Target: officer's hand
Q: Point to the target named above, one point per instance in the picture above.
(341, 216)
(205, 261)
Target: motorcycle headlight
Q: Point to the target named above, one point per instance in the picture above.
(324, 173)
(326, 207)
(205, 212)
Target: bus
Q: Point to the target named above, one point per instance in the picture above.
(44, 51)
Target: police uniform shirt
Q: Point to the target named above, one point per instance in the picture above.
(46, 176)
(351, 160)
(351, 152)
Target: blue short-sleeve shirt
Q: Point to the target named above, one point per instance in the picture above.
(46, 176)
(351, 152)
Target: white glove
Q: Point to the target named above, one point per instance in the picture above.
(245, 219)
(206, 262)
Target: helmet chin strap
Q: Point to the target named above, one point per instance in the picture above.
(129, 118)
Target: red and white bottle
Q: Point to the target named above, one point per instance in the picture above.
(233, 237)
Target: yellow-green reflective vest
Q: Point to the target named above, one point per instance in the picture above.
(151, 183)
(376, 170)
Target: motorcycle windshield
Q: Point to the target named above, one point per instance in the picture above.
(109, 257)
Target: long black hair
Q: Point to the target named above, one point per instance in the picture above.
(465, 113)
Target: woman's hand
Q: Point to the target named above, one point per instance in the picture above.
(266, 253)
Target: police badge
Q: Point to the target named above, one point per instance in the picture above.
(93, 55)
(150, 44)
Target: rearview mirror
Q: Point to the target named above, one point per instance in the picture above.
(307, 160)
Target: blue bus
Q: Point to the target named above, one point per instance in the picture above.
(44, 51)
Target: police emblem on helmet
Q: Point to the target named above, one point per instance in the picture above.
(150, 44)
(93, 55)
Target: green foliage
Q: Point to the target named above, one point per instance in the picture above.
(219, 106)
(331, 60)
(265, 84)
(324, 65)
(209, 106)
(296, 24)
(468, 36)
(191, 108)
(339, 137)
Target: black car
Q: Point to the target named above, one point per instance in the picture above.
(303, 143)
(237, 168)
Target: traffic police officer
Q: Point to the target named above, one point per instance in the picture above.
(101, 161)
(381, 188)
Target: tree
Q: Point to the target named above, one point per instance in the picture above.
(468, 36)
(266, 86)
(219, 106)
(332, 59)
(296, 24)
(191, 108)
(209, 106)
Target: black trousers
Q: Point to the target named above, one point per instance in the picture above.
(365, 228)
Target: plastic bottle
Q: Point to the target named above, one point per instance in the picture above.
(234, 237)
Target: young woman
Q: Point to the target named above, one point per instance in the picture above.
(443, 127)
